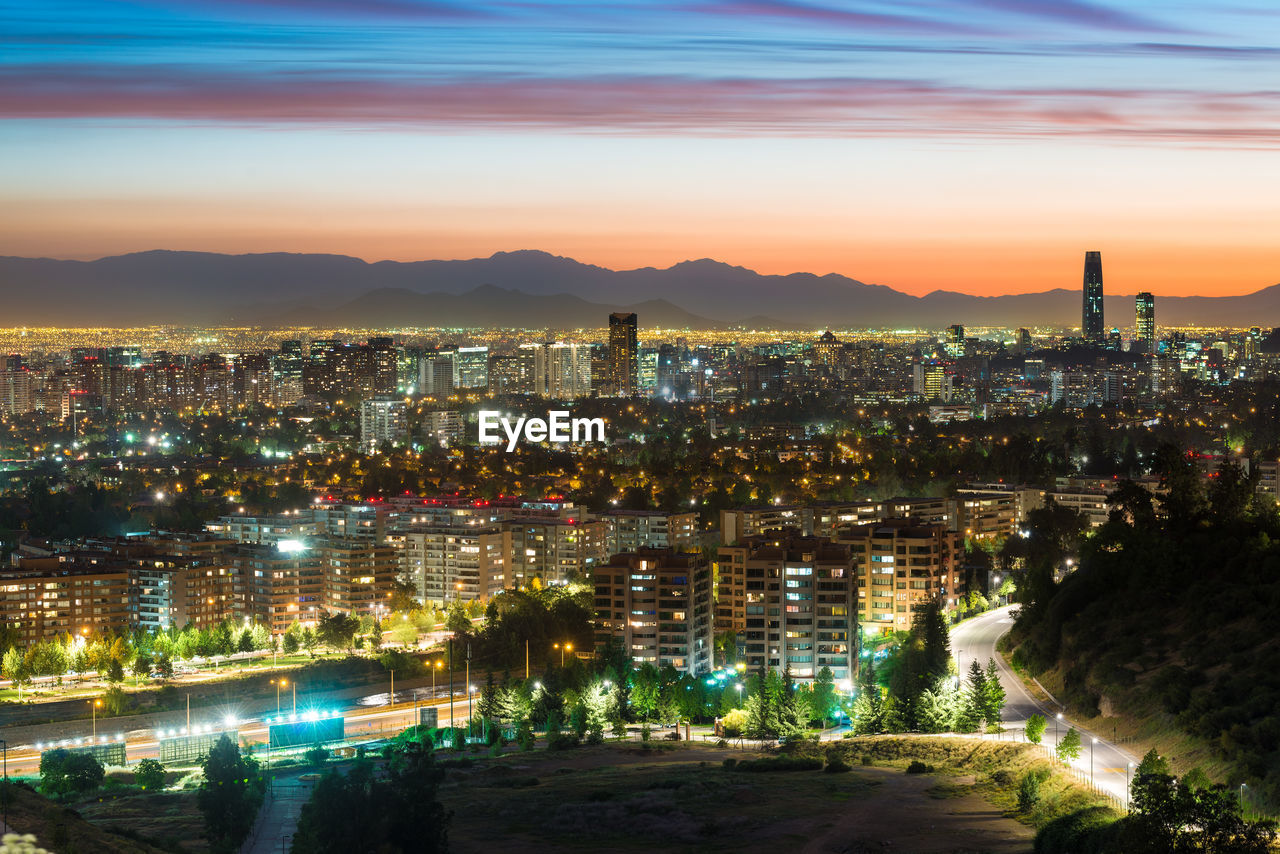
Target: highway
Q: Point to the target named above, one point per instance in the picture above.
(367, 719)
(975, 640)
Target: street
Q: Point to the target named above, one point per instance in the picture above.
(975, 640)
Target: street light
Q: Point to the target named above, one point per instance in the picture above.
(94, 704)
(1055, 730)
(279, 683)
(434, 669)
(562, 647)
(1128, 768)
(1091, 744)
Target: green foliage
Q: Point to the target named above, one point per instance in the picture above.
(1035, 728)
(1069, 748)
(780, 763)
(230, 795)
(918, 767)
(337, 631)
(1029, 791)
(316, 755)
(363, 811)
(63, 772)
(149, 774)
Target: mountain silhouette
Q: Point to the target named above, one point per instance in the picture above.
(529, 288)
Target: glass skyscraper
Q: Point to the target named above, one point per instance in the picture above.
(1091, 327)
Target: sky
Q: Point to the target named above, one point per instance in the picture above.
(921, 144)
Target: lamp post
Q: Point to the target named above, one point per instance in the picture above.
(392, 698)
(1091, 746)
(434, 668)
(1056, 719)
(562, 647)
(1242, 788)
(279, 683)
(93, 705)
(1128, 768)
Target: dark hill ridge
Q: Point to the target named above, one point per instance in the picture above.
(174, 287)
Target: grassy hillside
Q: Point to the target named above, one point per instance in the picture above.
(1170, 625)
(60, 828)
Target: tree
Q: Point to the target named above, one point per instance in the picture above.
(936, 710)
(337, 631)
(63, 772)
(734, 724)
(1170, 815)
(976, 692)
(115, 671)
(1069, 748)
(993, 695)
(149, 774)
(1035, 728)
(457, 621)
(292, 639)
(230, 795)
(822, 702)
(645, 692)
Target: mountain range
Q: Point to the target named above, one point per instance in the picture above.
(528, 289)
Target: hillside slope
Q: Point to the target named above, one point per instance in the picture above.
(1169, 624)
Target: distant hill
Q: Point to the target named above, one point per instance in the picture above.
(533, 288)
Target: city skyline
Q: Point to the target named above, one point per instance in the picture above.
(886, 145)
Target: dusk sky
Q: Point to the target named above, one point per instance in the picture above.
(923, 144)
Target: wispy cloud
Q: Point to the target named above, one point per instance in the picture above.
(649, 104)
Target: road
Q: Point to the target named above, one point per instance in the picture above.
(975, 640)
(367, 718)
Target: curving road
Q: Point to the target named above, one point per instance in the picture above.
(975, 640)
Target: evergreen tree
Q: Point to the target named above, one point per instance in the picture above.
(993, 695)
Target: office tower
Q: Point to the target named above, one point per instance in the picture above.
(622, 354)
(827, 350)
(1024, 341)
(1146, 321)
(383, 420)
(647, 373)
(656, 605)
(1091, 327)
(955, 341)
(471, 367)
(385, 366)
(435, 373)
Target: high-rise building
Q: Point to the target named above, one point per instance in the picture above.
(458, 561)
(383, 420)
(827, 349)
(1091, 326)
(623, 363)
(471, 367)
(901, 565)
(955, 341)
(566, 371)
(656, 603)
(793, 601)
(1145, 325)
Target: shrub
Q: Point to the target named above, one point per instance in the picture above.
(729, 763)
(1028, 791)
(149, 774)
(317, 755)
(836, 765)
(63, 772)
(918, 767)
(867, 760)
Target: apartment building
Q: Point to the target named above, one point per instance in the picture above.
(359, 577)
(630, 530)
(554, 550)
(793, 600)
(901, 564)
(743, 522)
(281, 584)
(656, 603)
(47, 597)
(449, 562)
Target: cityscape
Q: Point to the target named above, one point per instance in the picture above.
(451, 426)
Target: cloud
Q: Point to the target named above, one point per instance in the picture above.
(665, 105)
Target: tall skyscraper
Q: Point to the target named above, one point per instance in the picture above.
(1091, 328)
(1146, 322)
(623, 363)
